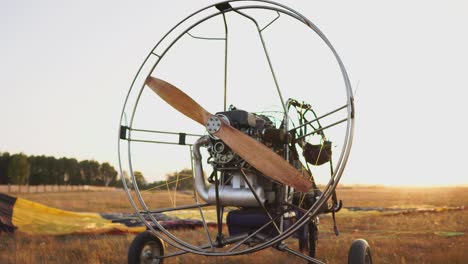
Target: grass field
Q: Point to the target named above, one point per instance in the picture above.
(395, 237)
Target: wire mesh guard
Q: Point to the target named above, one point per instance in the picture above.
(267, 71)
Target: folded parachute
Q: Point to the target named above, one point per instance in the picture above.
(34, 218)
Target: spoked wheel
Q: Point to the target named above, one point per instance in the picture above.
(145, 249)
(359, 252)
(247, 169)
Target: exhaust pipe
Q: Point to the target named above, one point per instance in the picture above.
(228, 194)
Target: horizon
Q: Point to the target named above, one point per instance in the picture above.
(341, 184)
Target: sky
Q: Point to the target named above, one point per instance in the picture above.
(66, 68)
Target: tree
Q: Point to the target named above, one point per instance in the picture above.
(35, 170)
(72, 169)
(89, 171)
(39, 172)
(18, 169)
(140, 179)
(50, 168)
(4, 163)
(108, 174)
(61, 168)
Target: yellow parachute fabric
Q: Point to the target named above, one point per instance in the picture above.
(34, 218)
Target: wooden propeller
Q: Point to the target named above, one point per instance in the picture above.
(252, 151)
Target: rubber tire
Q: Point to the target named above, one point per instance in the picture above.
(359, 252)
(139, 242)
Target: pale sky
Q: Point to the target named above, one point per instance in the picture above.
(67, 66)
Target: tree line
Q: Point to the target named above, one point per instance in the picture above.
(47, 170)
(21, 169)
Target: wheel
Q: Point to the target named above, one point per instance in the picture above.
(144, 248)
(359, 252)
(231, 164)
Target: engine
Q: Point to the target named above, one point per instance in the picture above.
(259, 127)
(234, 179)
(234, 174)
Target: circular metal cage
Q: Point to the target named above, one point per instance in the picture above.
(130, 134)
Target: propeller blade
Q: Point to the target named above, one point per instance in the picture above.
(252, 151)
(179, 100)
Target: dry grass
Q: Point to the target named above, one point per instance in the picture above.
(404, 196)
(394, 238)
(103, 202)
